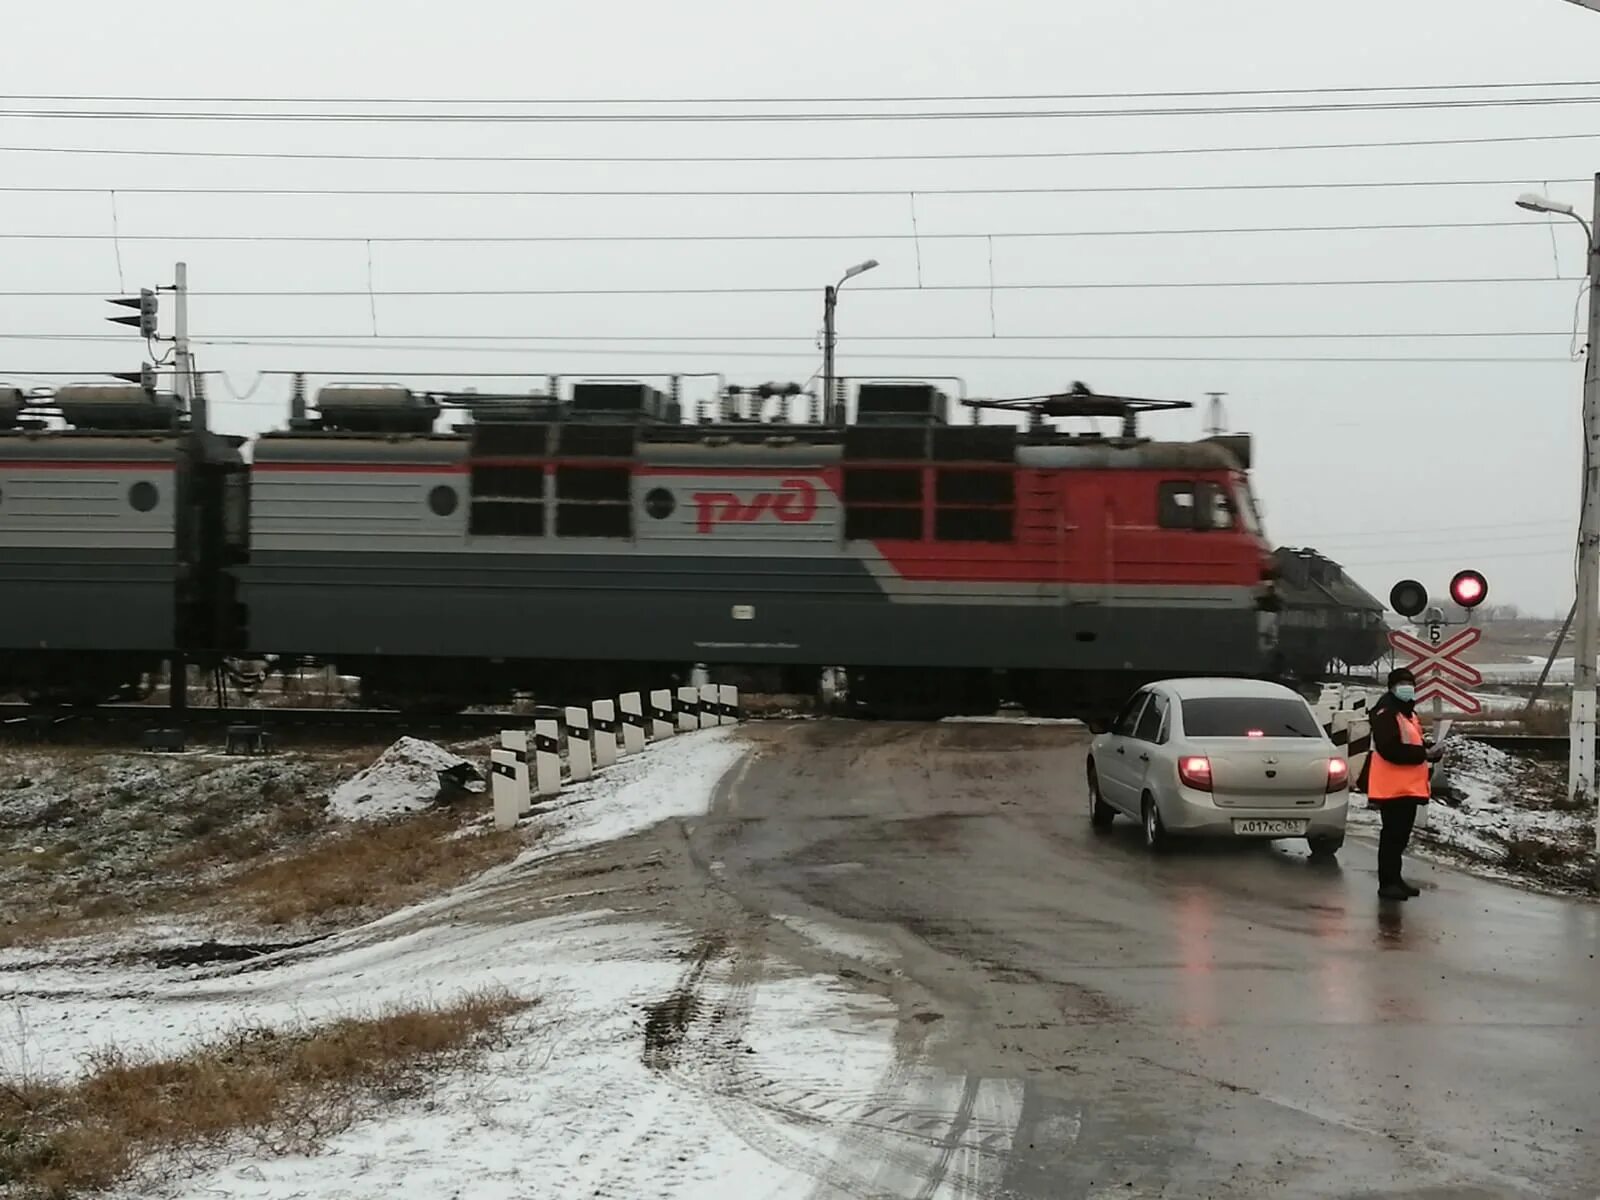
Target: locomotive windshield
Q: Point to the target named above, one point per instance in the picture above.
(1246, 504)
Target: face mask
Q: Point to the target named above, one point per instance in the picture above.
(1405, 693)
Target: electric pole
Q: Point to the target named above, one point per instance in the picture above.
(193, 400)
(1581, 783)
(830, 300)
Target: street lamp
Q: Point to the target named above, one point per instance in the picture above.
(830, 300)
(1581, 764)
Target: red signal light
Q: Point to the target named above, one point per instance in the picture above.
(1195, 772)
(1469, 589)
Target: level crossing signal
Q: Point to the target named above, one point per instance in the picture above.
(146, 304)
(1469, 589)
(1436, 663)
(1408, 597)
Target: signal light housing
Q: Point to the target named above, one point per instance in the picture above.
(1408, 597)
(1469, 589)
(1194, 770)
(145, 322)
(1338, 774)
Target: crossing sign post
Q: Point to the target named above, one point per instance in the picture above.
(1440, 673)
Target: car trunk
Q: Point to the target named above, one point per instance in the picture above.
(1287, 773)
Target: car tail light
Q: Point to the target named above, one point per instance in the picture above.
(1338, 774)
(1195, 772)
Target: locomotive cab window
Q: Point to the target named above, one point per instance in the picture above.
(1184, 504)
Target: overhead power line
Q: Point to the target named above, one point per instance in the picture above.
(757, 118)
(1349, 89)
(937, 156)
(1369, 227)
(496, 341)
(1120, 189)
(808, 290)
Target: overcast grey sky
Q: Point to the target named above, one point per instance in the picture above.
(1395, 468)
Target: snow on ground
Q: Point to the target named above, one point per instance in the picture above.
(61, 1008)
(1504, 822)
(670, 779)
(783, 1084)
(404, 779)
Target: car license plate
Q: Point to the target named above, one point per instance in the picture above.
(1268, 827)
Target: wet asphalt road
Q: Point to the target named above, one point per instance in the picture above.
(1226, 1020)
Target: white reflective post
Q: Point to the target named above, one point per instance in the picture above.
(503, 785)
(580, 751)
(661, 722)
(547, 757)
(632, 705)
(605, 733)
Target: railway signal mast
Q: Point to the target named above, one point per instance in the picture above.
(147, 305)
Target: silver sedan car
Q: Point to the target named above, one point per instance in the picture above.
(1230, 757)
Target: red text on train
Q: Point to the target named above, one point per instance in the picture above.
(794, 501)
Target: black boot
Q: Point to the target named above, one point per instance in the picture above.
(1393, 891)
(1411, 888)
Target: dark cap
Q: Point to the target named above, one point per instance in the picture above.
(1401, 675)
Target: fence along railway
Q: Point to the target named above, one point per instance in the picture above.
(596, 536)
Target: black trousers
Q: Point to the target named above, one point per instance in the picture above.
(1398, 818)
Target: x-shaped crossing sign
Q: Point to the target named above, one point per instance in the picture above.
(1439, 671)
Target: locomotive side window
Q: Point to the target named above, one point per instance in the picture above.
(1184, 504)
(1175, 505)
(883, 502)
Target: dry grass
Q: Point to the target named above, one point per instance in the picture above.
(1546, 720)
(363, 872)
(283, 1090)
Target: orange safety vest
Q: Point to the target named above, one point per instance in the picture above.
(1391, 781)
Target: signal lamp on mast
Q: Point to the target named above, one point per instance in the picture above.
(146, 303)
(1408, 597)
(1469, 589)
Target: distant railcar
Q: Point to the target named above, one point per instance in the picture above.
(117, 525)
(1328, 623)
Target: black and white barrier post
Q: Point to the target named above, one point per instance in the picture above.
(632, 705)
(605, 733)
(508, 805)
(580, 750)
(528, 765)
(662, 718)
(688, 708)
(547, 757)
(516, 741)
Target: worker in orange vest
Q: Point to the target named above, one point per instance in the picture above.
(1398, 777)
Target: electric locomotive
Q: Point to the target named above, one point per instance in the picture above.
(118, 526)
(580, 544)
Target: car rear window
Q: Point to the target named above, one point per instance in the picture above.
(1248, 716)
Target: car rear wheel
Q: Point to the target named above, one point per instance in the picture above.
(1325, 845)
(1155, 832)
(1101, 814)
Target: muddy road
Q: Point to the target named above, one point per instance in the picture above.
(1077, 1018)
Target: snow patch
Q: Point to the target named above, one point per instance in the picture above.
(1504, 823)
(404, 779)
(670, 780)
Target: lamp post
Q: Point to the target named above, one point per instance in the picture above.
(830, 301)
(1581, 762)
